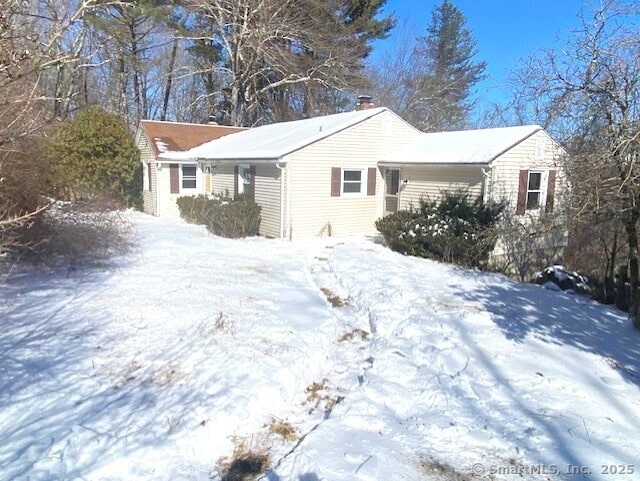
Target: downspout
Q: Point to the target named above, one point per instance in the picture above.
(486, 194)
(155, 192)
(282, 192)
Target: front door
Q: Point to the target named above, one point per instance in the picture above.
(391, 190)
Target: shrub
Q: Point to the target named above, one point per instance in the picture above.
(453, 230)
(95, 153)
(197, 209)
(235, 219)
(80, 234)
(226, 218)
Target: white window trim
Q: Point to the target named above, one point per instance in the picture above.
(181, 177)
(244, 173)
(544, 182)
(145, 176)
(363, 182)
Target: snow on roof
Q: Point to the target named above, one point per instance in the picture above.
(274, 141)
(462, 147)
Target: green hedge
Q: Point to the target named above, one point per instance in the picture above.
(455, 229)
(226, 218)
(197, 209)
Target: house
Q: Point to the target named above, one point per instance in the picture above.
(163, 183)
(312, 177)
(337, 174)
(521, 166)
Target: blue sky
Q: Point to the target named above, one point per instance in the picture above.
(505, 31)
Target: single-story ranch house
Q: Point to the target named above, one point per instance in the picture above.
(161, 187)
(335, 175)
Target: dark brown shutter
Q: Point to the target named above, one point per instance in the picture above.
(252, 179)
(336, 174)
(150, 176)
(371, 181)
(174, 179)
(522, 192)
(236, 171)
(551, 190)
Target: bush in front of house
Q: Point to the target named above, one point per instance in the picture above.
(235, 219)
(222, 216)
(454, 229)
(197, 209)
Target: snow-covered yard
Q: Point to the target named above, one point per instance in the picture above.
(387, 367)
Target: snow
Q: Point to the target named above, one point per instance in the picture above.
(273, 141)
(480, 146)
(156, 366)
(161, 145)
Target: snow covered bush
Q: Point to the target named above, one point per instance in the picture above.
(557, 278)
(455, 229)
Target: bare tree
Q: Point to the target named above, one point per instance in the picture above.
(257, 47)
(589, 95)
(38, 40)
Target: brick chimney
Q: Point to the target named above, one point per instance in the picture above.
(364, 102)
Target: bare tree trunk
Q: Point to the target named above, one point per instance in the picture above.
(167, 87)
(123, 104)
(135, 64)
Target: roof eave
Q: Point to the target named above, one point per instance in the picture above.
(422, 163)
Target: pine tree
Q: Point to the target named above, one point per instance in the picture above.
(446, 72)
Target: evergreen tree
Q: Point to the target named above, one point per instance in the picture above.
(446, 73)
(271, 60)
(95, 154)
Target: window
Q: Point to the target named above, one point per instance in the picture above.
(352, 181)
(188, 176)
(244, 179)
(536, 189)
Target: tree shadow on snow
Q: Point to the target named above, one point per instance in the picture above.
(54, 400)
(526, 312)
(523, 311)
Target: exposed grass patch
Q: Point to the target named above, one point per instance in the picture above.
(284, 429)
(319, 395)
(438, 470)
(224, 324)
(245, 464)
(348, 336)
(334, 300)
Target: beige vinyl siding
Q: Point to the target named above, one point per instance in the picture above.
(166, 200)
(267, 195)
(146, 156)
(313, 212)
(538, 151)
(429, 181)
(222, 180)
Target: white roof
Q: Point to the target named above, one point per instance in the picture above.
(273, 141)
(462, 147)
